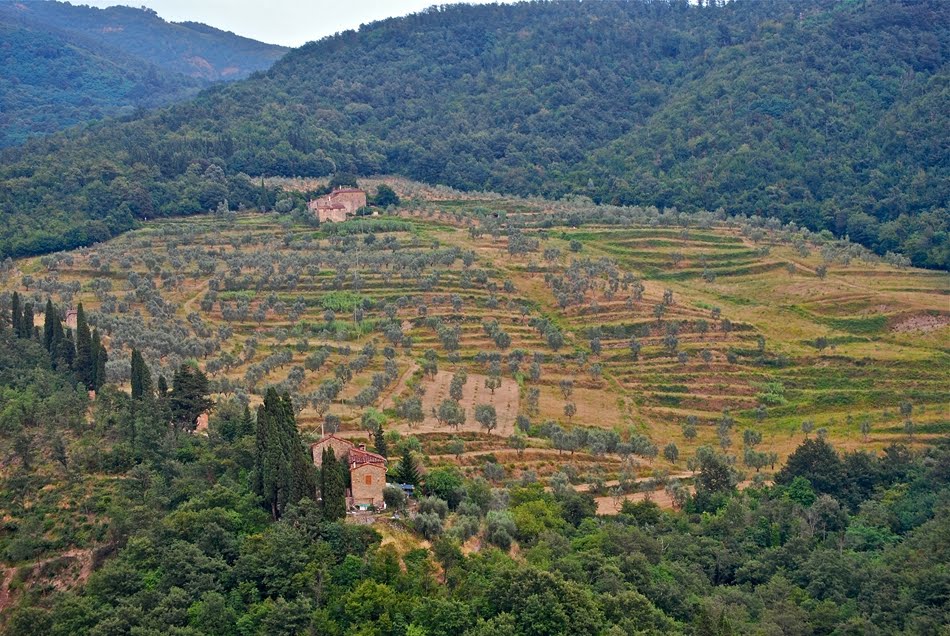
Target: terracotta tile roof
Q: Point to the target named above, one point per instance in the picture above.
(359, 457)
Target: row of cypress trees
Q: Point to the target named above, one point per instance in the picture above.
(90, 363)
(283, 473)
(83, 352)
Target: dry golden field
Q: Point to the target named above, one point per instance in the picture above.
(736, 328)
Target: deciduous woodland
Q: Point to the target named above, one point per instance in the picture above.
(614, 420)
(829, 114)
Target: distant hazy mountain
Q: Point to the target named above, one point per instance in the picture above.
(65, 64)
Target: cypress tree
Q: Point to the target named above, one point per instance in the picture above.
(49, 329)
(408, 472)
(26, 322)
(141, 377)
(263, 433)
(332, 486)
(162, 386)
(382, 448)
(85, 364)
(94, 345)
(100, 359)
(263, 203)
(135, 375)
(303, 484)
(15, 314)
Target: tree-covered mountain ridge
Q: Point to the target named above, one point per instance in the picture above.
(190, 48)
(830, 114)
(68, 64)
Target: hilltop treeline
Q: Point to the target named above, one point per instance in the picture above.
(825, 113)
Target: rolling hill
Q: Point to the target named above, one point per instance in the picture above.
(629, 360)
(66, 64)
(828, 114)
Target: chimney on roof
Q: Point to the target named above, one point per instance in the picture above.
(362, 447)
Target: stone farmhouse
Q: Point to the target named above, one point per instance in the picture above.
(367, 470)
(339, 205)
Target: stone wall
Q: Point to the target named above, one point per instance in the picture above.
(332, 215)
(367, 482)
(351, 200)
(341, 448)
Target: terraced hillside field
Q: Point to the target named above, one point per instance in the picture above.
(612, 342)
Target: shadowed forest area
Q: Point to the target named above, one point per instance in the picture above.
(828, 114)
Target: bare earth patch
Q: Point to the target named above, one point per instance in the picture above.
(505, 401)
(922, 322)
(63, 572)
(610, 505)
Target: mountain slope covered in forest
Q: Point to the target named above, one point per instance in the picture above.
(66, 64)
(826, 113)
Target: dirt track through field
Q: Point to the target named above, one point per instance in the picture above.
(505, 400)
(610, 505)
(400, 387)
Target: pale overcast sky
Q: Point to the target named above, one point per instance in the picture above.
(287, 22)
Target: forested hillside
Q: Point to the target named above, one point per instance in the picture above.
(66, 64)
(827, 113)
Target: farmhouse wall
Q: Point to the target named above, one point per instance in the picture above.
(367, 482)
(338, 205)
(341, 449)
(350, 198)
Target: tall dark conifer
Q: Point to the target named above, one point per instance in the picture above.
(26, 322)
(99, 358)
(16, 314)
(263, 203)
(408, 472)
(141, 377)
(332, 485)
(50, 320)
(85, 363)
(379, 438)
